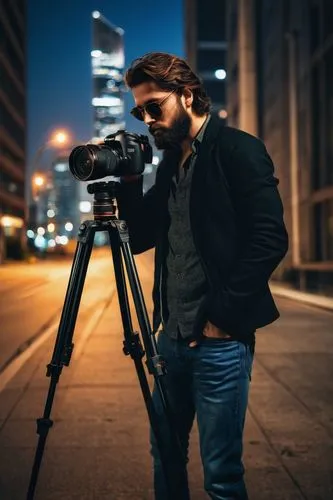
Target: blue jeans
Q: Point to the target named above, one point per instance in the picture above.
(212, 381)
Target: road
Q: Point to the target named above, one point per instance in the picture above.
(33, 296)
(98, 446)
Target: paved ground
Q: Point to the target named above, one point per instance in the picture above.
(98, 446)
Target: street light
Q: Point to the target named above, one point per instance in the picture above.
(58, 138)
(38, 181)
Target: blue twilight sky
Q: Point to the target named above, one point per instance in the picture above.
(59, 65)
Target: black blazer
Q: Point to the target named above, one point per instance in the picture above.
(237, 223)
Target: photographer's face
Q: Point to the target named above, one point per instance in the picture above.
(172, 127)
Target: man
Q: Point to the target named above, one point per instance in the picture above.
(215, 219)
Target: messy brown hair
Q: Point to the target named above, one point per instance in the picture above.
(169, 72)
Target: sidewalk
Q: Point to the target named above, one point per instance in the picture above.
(321, 301)
(98, 446)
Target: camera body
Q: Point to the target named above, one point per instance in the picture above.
(122, 153)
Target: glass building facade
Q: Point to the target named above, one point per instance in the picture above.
(12, 127)
(108, 60)
(65, 198)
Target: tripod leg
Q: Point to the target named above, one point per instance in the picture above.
(155, 363)
(63, 345)
(63, 349)
(132, 343)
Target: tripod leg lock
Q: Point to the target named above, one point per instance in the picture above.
(133, 347)
(66, 357)
(43, 426)
(53, 371)
(156, 365)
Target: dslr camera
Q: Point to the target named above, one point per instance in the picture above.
(122, 153)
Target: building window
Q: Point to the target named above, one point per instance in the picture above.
(329, 226)
(322, 122)
(233, 25)
(8, 86)
(327, 18)
(11, 186)
(211, 60)
(328, 178)
(14, 23)
(12, 127)
(211, 25)
(323, 227)
(314, 17)
(234, 73)
(216, 90)
(316, 128)
(318, 232)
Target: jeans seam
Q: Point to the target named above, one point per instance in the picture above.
(248, 357)
(238, 383)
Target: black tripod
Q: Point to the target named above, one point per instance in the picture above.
(105, 220)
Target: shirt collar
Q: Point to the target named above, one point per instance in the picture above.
(200, 135)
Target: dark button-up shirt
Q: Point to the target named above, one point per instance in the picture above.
(185, 280)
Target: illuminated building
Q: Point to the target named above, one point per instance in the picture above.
(64, 198)
(57, 208)
(107, 63)
(12, 128)
(108, 60)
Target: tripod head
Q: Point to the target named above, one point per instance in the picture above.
(104, 193)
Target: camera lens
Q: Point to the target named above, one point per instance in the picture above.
(81, 162)
(93, 162)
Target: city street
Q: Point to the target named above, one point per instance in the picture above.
(98, 446)
(33, 295)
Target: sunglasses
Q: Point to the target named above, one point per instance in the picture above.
(154, 109)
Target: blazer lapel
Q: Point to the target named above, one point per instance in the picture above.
(203, 163)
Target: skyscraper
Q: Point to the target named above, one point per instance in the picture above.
(107, 65)
(108, 62)
(12, 127)
(65, 198)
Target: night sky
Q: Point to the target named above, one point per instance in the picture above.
(59, 65)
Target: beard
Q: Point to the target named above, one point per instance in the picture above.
(172, 137)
